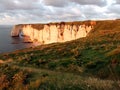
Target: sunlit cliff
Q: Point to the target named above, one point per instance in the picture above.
(54, 32)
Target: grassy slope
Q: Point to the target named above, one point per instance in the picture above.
(81, 64)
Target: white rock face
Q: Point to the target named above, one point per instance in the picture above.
(16, 30)
(52, 33)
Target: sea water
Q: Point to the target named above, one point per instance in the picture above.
(8, 43)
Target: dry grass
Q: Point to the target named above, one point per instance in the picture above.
(114, 52)
(102, 84)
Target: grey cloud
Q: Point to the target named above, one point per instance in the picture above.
(91, 10)
(115, 9)
(90, 2)
(63, 3)
(56, 3)
(19, 4)
(67, 12)
(37, 11)
(117, 1)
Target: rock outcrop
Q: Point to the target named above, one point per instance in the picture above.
(16, 30)
(54, 32)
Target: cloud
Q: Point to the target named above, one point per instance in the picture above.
(43, 11)
(115, 9)
(90, 2)
(63, 3)
(56, 3)
(117, 1)
(19, 4)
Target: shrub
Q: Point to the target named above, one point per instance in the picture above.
(91, 65)
(66, 62)
(4, 83)
(103, 73)
(52, 65)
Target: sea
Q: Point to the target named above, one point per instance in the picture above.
(8, 43)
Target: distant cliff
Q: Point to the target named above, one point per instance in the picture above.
(54, 32)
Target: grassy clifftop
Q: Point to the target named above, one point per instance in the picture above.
(40, 26)
(90, 63)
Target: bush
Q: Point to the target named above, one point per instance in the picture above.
(66, 62)
(91, 65)
(52, 65)
(4, 83)
(103, 73)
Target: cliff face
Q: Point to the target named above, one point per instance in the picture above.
(16, 30)
(54, 32)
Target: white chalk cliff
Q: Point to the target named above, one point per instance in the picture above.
(53, 32)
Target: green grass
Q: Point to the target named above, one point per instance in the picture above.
(90, 63)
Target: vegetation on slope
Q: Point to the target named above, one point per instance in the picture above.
(91, 63)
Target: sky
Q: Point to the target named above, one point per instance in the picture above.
(44, 11)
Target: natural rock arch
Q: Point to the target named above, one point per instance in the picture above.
(17, 31)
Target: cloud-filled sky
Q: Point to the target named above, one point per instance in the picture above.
(43, 11)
